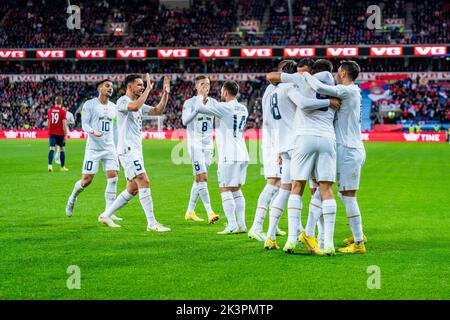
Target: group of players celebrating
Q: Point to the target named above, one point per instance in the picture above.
(311, 132)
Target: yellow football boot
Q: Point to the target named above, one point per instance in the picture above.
(350, 240)
(64, 169)
(311, 244)
(193, 216)
(354, 248)
(270, 244)
(213, 218)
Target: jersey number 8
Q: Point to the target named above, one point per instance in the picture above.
(274, 107)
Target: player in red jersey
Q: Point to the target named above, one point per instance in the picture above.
(57, 130)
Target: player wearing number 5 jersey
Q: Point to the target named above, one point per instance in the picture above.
(200, 148)
(130, 109)
(97, 117)
(231, 117)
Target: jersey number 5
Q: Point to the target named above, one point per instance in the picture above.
(274, 106)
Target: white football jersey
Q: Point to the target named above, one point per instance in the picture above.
(348, 118)
(230, 123)
(315, 122)
(99, 117)
(282, 111)
(199, 127)
(269, 130)
(129, 125)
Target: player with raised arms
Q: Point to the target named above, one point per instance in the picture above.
(201, 149)
(131, 107)
(233, 158)
(97, 118)
(350, 148)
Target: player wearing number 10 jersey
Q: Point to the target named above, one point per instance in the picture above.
(200, 148)
(231, 117)
(97, 121)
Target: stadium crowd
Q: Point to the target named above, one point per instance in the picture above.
(218, 23)
(419, 101)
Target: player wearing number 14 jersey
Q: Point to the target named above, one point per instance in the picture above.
(97, 121)
(231, 117)
(200, 148)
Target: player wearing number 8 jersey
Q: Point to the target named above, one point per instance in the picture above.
(97, 121)
(231, 117)
(200, 148)
(130, 109)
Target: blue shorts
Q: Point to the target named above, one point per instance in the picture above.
(56, 140)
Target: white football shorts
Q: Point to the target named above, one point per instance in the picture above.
(133, 164)
(232, 174)
(92, 159)
(349, 165)
(314, 157)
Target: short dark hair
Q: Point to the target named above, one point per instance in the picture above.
(352, 69)
(131, 78)
(102, 82)
(322, 65)
(58, 100)
(306, 62)
(232, 87)
(287, 66)
(200, 77)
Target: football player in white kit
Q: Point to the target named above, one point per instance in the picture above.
(271, 161)
(350, 148)
(314, 155)
(284, 102)
(200, 148)
(233, 158)
(130, 109)
(97, 117)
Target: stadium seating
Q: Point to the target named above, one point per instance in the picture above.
(216, 23)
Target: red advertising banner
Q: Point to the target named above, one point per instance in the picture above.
(404, 136)
(249, 135)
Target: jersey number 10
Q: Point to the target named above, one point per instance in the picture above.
(105, 126)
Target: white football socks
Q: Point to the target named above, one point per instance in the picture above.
(202, 188)
(229, 206)
(354, 217)
(77, 189)
(145, 197)
(239, 201)
(329, 217)
(276, 210)
(193, 198)
(294, 216)
(120, 201)
(315, 211)
(264, 199)
(110, 191)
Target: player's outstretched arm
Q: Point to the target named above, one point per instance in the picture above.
(161, 106)
(139, 102)
(212, 107)
(323, 88)
(189, 113)
(307, 103)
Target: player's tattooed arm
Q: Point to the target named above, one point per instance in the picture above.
(161, 106)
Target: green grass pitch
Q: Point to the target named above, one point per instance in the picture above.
(404, 199)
